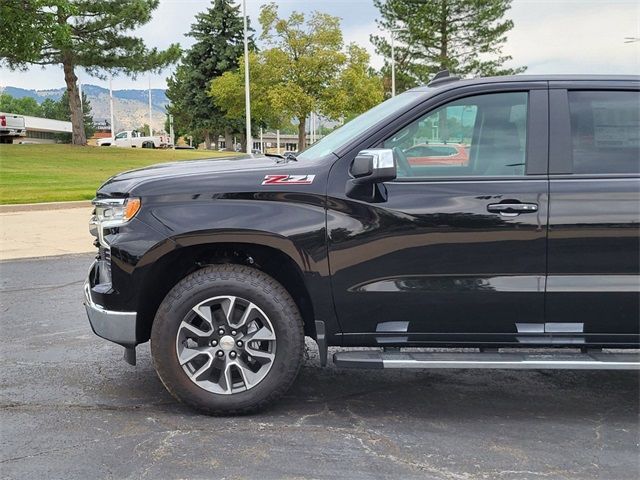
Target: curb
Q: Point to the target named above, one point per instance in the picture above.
(33, 207)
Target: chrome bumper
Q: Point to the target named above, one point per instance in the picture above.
(118, 327)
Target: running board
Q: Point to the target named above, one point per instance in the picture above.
(507, 360)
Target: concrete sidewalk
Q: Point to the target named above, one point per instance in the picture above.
(44, 229)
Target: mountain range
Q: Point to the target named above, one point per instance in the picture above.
(131, 107)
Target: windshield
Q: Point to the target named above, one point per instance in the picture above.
(358, 125)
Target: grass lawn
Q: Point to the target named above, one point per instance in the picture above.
(51, 173)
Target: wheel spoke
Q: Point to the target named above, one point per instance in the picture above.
(259, 335)
(204, 312)
(195, 330)
(203, 369)
(246, 315)
(187, 354)
(261, 354)
(228, 307)
(248, 377)
(225, 379)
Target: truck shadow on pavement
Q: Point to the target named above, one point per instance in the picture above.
(430, 395)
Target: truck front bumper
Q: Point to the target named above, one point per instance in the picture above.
(116, 326)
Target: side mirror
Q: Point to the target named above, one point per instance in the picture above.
(376, 165)
(369, 170)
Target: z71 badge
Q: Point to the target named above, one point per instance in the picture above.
(288, 179)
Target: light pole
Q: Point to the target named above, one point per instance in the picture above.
(150, 115)
(247, 95)
(393, 59)
(113, 133)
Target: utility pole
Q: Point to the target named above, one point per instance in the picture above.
(150, 116)
(313, 128)
(113, 132)
(247, 95)
(278, 141)
(171, 134)
(261, 142)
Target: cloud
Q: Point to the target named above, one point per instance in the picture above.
(550, 36)
(575, 37)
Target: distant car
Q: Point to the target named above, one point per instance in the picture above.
(135, 139)
(449, 154)
(11, 126)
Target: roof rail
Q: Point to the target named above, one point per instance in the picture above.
(443, 76)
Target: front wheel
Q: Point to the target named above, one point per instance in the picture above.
(227, 339)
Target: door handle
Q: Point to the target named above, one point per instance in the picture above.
(512, 209)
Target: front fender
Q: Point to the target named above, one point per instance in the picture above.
(297, 230)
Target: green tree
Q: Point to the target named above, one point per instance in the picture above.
(305, 69)
(53, 109)
(19, 106)
(462, 36)
(80, 33)
(218, 35)
(144, 130)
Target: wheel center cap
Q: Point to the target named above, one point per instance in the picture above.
(227, 343)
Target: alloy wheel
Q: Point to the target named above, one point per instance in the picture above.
(226, 345)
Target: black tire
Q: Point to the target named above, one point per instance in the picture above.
(254, 286)
(148, 145)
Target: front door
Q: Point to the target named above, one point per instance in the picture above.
(454, 250)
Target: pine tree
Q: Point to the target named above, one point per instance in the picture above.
(79, 33)
(218, 35)
(462, 36)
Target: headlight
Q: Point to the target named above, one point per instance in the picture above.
(111, 213)
(115, 212)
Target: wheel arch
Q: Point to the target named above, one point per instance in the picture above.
(163, 273)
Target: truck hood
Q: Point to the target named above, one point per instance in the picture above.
(123, 183)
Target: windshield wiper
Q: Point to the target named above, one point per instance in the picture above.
(289, 157)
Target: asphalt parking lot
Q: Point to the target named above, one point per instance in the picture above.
(71, 408)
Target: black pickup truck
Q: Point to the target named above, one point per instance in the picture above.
(496, 219)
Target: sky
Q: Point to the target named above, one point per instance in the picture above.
(549, 36)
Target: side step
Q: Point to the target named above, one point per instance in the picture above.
(507, 360)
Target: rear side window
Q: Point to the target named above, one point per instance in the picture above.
(605, 131)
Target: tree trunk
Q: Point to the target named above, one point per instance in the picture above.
(78, 136)
(302, 133)
(228, 139)
(207, 140)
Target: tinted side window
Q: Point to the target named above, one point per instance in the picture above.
(605, 131)
(482, 135)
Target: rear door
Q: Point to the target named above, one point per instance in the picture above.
(593, 283)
